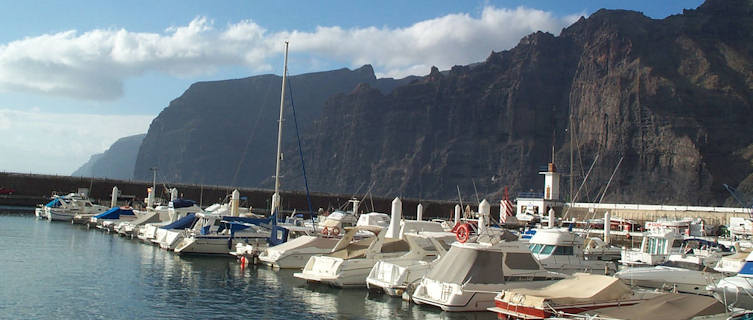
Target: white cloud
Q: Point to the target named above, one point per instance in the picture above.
(57, 143)
(93, 64)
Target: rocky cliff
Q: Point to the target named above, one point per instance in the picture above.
(225, 132)
(672, 98)
(115, 163)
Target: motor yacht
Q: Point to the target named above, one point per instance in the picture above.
(395, 276)
(350, 262)
(561, 250)
(469, 275)
(582, 292)
(216, 234)
(736, 291)
(64, 208)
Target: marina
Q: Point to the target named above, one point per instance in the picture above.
(59, 270)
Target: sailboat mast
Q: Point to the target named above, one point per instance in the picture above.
(276, 196)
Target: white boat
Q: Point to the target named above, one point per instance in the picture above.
(63, 208)
(108, 219)
(394, 276)
(737, 291)
(582, 292)
(469, 276)
(294, 254)
(561, 250)
(658, 244)
(350, 261)
(215, 234)
(674, 275)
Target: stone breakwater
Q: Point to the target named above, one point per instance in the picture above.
(33, 189)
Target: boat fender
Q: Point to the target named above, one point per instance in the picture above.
(335, 231)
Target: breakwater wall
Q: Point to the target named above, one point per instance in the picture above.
(33, 189)
(709, 215)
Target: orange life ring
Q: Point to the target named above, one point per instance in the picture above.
(325, 231)
(462, 233)
(335, 231)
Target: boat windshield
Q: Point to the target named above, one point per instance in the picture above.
(688, 265)
(466, 265)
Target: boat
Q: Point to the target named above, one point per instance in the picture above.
(153, 218)
(216, 234)
(469, 276)
(736, 291)
(582, 292)
(107, 220)
(659, 243)
(64, 208)
(561, 250)
(394, 277)
(156, 233)
(675, 274)
(667, 306)
(350, 261)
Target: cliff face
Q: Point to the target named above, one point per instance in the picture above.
(115, 163)
(225, 132)
(671, 97)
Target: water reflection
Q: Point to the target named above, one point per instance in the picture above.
(66, 271)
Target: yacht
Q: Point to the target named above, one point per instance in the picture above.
(561, 250)
(350, 262)
(676, 274)
(216, 234)
(395, 277)
(582, 292)
(108, 219)
(469, 276)
(64, 208)
(736, 291)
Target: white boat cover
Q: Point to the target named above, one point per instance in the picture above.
(669, 306)
(305, 241)
(580, 289)
(148, 217)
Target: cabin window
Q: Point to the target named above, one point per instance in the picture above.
(563, 251)
(547, 249)
(535, 248)
(347, 224)
(521, 261)
(677, 243)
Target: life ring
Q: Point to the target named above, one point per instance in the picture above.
(463, 233)
(335, 231)
(325, 231)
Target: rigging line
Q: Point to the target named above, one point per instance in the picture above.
(251, 137)
(300, 151)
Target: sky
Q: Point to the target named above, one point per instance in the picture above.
(75, 76)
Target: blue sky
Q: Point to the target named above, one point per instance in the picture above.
(77, 75)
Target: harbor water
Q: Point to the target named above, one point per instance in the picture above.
(52, 270)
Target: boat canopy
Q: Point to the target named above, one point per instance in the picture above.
(182, 203)
(463, 265)
(114, 213)
(182, 223)
(668, 306)
(54, 203)
(582, 288)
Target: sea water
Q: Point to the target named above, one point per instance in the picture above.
(55, 270)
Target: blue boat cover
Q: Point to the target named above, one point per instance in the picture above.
(747, 268)
(183, 203)
(114, 213)
(256, 221)
(279, 235)
(53, 204)
(182, 223)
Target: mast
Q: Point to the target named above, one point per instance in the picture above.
(276, 195)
